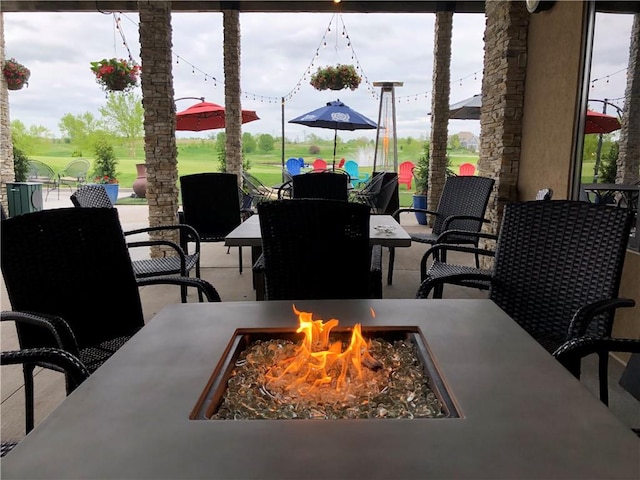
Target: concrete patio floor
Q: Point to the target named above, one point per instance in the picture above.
(220, 267)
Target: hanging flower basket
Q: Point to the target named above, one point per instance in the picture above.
(336, 78)
(116, 75)
(17, 75)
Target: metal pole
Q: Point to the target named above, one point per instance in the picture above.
(282, 142)
(596, 167)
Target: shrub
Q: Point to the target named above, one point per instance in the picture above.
(609, 165)
(20, 165)
(105, 160)
(314, 150)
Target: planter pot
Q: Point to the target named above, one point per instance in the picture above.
(140, 183)
(15, 86)
(420, 201)
(112, 191)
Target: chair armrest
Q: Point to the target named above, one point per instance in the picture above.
(585, 315)
(187, 234)
(446, 225)
(54, 358)
(444, 237)
(397, 213)
(427, 285)
(439, 252)
(202, 285)
(62, 333)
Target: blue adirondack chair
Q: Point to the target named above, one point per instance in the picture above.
(351, 167)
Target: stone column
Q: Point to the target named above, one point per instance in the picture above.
(440, 107)
(6, 145)
(233, 108)
(159, 117)
(505, 62)
(628, 162)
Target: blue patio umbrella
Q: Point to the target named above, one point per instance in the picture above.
(338, 116)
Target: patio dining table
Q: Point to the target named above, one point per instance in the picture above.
(520, 413)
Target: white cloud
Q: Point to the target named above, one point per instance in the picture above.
(277, 51)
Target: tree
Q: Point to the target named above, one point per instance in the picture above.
(249, 144)
(454, 142)
(105, 159)
(265, 143)
(221, 148)
(80, 129)
(29, 140)
(123, 115)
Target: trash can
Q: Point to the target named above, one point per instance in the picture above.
(24, 197)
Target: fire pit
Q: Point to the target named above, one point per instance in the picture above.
(320, 371)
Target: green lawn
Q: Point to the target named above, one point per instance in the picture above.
(199, 155)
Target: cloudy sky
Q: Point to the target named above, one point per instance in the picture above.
(278, 51)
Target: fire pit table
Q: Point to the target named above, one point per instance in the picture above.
(516, 412)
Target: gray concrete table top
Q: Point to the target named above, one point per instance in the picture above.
(383, 230)
(522, 415)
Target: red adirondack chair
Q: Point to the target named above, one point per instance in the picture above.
(405, 174)
(467, 169)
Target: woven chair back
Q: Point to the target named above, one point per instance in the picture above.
(327, 185)
(210, 204)
(73, 263)
(315, 249)
(91, 196)
(553, 257)
(466, 195)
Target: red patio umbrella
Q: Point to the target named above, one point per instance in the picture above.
(600, 123)
(207, 116)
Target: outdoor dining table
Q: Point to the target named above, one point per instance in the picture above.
(521, 414)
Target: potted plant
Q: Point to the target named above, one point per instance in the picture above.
(116, 75)
(17, 75)
(421, 176)
(336, 78)
(105, 168)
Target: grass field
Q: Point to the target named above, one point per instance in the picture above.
(200, 155)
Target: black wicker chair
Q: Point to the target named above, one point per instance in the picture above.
(327, 185)
(181, 263)
(73, 264)
(377, 192)
(571, 353)
(210, 205)
(51, 358)
(557, 268)
(462, 207)
(318, 249)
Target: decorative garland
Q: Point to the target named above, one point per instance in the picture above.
(17, 75)
(336, 78)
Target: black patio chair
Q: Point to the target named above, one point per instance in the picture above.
(71, 270)
(318, 249)
(210, 205)
(462, 207)
(328, 185)
(74, 174)
(51, 358)
(571, 353)
(258, 190)
(557, 269)
(180, 263)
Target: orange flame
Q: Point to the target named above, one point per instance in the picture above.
(320, 363)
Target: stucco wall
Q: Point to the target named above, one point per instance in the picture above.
(551, 98)
(551, 95)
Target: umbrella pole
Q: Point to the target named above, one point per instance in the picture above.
(335, 142)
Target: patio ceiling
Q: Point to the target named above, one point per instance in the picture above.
(346, 6)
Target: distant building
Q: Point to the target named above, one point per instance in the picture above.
(469, 141)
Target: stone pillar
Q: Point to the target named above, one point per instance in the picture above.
(233, 108)
(161, 155)
(440, 107)
(629, 156)
(6, 146)
(505, 62)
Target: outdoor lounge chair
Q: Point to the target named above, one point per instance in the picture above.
(71, 270)
(42, 173)
(327, 185)
(557, 269)
(405, 174)
(318, 249)
(74, 174)
(210, 206)
(462, 207)
(351, 167)
(181, 262)
(51, 358)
